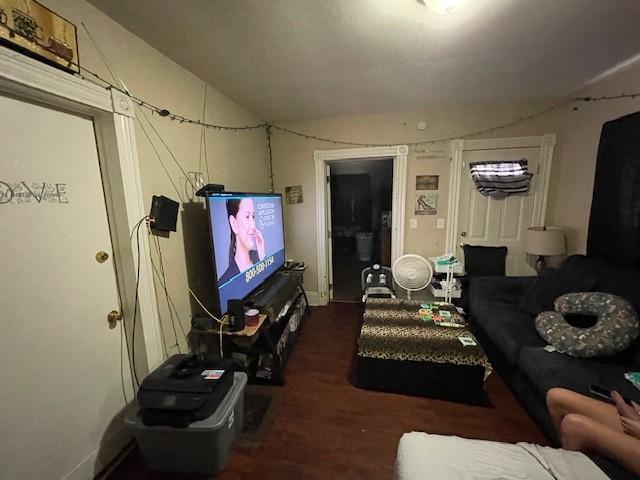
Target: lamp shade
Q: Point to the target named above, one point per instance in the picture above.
(546, 241)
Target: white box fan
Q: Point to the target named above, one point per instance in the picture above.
(412, 272)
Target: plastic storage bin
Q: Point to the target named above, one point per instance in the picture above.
(202, 447)
(364, 243)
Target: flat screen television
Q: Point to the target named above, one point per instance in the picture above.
(247, 234)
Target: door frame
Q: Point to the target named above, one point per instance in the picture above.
(546, 143)
(322, 158)
(113, 117)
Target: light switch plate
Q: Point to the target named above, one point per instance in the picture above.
(440, 224)
(413, 223)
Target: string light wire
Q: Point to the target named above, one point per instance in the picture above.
(175, 159)
(163, 112)
(221, 321)
(164, 167)
(270, 154)
(166, 291)
(203, 138)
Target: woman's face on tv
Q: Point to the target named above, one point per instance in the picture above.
(244, 224)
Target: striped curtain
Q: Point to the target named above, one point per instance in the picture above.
(500, 179)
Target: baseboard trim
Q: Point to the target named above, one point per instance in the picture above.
(102, 456)
(115, 463)
(314, 299)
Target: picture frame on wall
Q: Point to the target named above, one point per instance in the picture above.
(293, 194)
(34, 30)
(427, 182)
(426, 203)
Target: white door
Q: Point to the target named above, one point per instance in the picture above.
(60, 375)
(496, 222)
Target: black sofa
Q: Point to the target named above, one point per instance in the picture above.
(503, 322)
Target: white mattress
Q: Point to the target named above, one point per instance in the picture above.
(423, 456)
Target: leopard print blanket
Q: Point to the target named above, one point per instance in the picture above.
(393, 329)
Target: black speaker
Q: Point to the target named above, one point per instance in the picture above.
(164, 214)
(236, 311)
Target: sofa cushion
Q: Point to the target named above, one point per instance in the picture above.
(508, 327)
(498, 289)
(484, 261)
(546, 370)
(549, 285)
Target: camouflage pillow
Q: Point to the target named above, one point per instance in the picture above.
(615, 329)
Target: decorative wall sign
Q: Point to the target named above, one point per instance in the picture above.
(31, 28)
(427, 182)
(294, 194)
(32, 192)
(426, 203)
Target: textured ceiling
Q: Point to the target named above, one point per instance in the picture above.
(295, 59)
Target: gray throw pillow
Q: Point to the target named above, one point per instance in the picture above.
(616, 328)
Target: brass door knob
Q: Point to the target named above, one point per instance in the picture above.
(102, 257)
(114, 316)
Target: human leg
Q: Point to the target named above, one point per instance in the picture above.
(581, 433)
(561, 402)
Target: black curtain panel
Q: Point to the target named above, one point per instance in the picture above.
(614, 224)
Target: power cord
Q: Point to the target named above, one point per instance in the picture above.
(221, 321)
(136, 229)
(166, 293)
(124, 393)
(173, 306)
(162, 280)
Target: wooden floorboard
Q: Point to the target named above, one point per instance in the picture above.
(325, 428)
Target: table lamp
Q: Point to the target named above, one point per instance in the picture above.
(545, 242)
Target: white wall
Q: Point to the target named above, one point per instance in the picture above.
(578, 127)
(239, 159)
(293, 163)
(236, 159)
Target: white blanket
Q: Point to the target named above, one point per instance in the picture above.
(422, 456)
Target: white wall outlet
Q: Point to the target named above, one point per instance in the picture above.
(440, 224)
(413, 223)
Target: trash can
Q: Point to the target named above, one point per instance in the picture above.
(202, 447)
(364, 241)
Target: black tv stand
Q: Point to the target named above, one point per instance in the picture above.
(274, 293)
(264, 353)
(283, 299)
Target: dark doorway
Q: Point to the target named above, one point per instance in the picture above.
(361, 198)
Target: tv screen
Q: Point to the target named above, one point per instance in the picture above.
(248, 241)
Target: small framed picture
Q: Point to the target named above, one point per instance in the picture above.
(427, 182)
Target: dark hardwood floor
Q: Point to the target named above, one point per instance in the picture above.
(327, 429)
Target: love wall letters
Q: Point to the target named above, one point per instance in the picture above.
(12, 193)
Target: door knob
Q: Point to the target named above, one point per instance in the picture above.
(463, 234)
(114, 316)
(102, 257)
